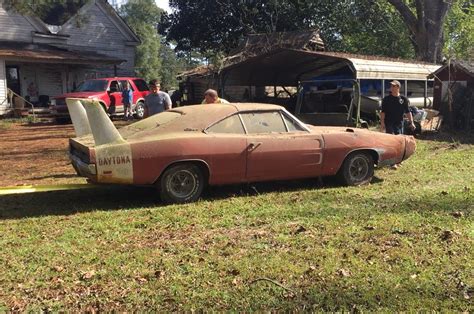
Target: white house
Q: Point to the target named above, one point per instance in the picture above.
(96, 42)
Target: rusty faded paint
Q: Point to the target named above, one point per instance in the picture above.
(151, 145)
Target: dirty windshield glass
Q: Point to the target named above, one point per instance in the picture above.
(92, 86)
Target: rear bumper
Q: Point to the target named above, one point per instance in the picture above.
(83, 169)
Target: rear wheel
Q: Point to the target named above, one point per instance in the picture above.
(181, 183)
(140, 110)
(357, 169)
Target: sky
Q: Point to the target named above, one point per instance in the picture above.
(163, 4)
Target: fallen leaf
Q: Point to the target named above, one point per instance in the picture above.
(88, 275)
(299, 229)
(343, 272)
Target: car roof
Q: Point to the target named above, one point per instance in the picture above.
(230, 108)
(197, 117)
(116, 78)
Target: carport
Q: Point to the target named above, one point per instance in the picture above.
(293, 67)
(289, 67)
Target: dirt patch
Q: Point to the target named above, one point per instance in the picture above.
(34, 154)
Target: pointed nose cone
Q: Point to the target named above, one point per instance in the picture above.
(410, 146)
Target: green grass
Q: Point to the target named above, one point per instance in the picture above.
(403, 243)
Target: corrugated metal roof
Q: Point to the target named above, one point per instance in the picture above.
(288, 66)
(48, 54)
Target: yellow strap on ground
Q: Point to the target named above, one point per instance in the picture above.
(43, 188)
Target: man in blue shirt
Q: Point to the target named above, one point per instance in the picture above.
(127, 100)
(157, 101)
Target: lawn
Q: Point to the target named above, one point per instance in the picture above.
(402, 243)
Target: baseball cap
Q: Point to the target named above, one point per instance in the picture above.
(395, 82)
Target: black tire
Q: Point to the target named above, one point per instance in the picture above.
(140, 110)
(357, 169)
(182, 183)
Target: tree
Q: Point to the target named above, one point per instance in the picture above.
(459, 30)
(425, 22)
(55, 12)
(214, 26)
(143, 17)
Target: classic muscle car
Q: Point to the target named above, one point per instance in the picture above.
(183, 149)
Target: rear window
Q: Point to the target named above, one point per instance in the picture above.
(141, 85)
(156, 120)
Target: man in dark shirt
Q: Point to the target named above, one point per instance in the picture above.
(394, 108)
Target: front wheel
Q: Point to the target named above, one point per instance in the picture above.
(140, 110)
(357, 169)
(181, 183)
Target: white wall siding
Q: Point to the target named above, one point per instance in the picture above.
(98, 33)
(14, 27)
(3, 88)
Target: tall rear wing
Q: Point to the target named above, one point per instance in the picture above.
(88, 117)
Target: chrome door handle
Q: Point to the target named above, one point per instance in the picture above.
(253, 146)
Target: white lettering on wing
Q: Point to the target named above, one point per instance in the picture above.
(114, 160)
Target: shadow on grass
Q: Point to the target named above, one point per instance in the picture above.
(69, 202)
(449, 137)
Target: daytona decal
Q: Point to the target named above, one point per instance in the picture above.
(114, 163)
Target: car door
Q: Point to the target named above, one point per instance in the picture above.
(227, 151)
(115, 95)
(279, 148)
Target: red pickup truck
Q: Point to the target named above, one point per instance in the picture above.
(108, 91)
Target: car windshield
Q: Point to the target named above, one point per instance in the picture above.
(92, 86)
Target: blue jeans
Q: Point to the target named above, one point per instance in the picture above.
(393, 127)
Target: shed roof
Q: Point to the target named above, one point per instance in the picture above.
(284, 66)
(26, 52)
(466, 66)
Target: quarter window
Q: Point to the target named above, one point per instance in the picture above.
(141, 85)
(291, 124)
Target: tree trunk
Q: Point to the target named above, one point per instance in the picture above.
(426, 27)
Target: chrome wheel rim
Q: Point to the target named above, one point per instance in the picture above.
(358, 169)
(140, 110)
(182, 183)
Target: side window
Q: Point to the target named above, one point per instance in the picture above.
(291, 124)
(141, 85)
(263, 122)
(231, 125)
(114, 87)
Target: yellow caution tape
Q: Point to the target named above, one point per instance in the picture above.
(43, 188)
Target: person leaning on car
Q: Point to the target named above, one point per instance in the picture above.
(394, 107)
(157, 101)
(210, 97)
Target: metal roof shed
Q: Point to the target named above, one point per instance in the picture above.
(287, 67)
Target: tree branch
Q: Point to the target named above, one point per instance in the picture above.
(406, 13)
